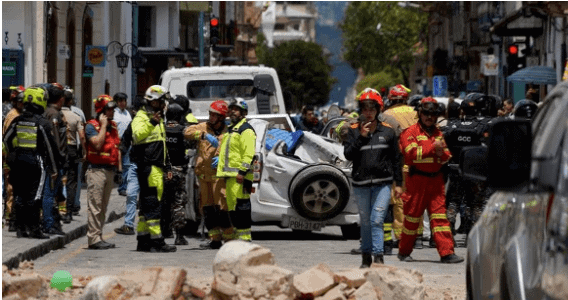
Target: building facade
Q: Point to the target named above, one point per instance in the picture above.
(463, 36)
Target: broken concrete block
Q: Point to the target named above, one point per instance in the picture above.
(12, 297)
(230, 253)
(27, 285)
(224, 283)
(367, 292)
(397, 283)
(314, 282)
(265, 281)
(146, 278)
(335, 293)
(353, 278)
(169, 283)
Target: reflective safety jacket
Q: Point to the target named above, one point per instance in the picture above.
(30, 134)
(206, 152)
(400, 117)
(190, 119)
(108, 153)
(148, 140)
(237, 151)
(418, 149)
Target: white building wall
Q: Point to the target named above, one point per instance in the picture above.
(162, 26)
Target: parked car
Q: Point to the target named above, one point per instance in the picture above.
(306, 188)
(518, 249)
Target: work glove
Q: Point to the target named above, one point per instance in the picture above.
(215, 162)
(118, 177)
(212, 140)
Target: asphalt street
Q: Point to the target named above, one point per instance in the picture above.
(292, 251)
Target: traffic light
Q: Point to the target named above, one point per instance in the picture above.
(213, 31)
(516, 58)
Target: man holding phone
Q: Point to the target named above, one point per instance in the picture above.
(149, 154)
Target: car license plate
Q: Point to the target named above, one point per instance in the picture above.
(301, 224)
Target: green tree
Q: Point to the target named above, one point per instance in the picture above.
(303, 70)
(386, 48)
(378, 80)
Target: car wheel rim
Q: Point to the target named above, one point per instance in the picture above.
(321, 196)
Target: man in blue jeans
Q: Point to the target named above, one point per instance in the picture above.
(132, 186)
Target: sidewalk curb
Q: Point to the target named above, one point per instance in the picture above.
(55, 242)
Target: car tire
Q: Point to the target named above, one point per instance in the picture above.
(319, 192)
(351, 232)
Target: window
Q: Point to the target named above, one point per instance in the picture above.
(146, 15)
(279, 26)
(207, 90)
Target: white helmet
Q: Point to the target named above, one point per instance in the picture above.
(156, 92)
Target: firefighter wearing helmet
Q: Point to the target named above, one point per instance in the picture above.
(372, 146)
(425, 152)
(29, 149)
(149, 154)
(213, 203)
(399, 116)
(236, 155)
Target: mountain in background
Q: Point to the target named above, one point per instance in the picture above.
(328, 35)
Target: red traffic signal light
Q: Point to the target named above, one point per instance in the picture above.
(513, 49)
(214, 22)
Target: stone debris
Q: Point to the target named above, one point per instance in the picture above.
(242, 271)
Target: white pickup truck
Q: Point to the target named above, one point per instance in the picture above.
(304, 189)
(259, 86)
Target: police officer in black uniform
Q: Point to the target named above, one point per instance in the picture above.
(175, 194)
(525, 109)
(460, 133)
(31, 156)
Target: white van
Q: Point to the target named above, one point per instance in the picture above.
(258, 86)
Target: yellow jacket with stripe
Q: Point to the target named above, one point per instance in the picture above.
(237, 151)
(148, 140)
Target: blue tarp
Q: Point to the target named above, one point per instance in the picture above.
(290, 138)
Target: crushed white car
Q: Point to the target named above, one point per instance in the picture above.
(304, 189)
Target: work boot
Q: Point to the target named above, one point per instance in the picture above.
(451, 259)
(432, 243)
(66, 218)
(367, 260)
(418, 243)
(405, 258)
(161, 246)
(388, 248)
(180, 240)
(211, 245)
(379, 259)
(21, 231)
(143, 243)
(36, 233)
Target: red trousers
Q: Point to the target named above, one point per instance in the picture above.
(424, 192)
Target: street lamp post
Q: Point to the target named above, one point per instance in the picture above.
(122, 57)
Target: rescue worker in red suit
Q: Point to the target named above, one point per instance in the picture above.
(425, 152)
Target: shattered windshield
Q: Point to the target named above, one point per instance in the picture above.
(207, 90)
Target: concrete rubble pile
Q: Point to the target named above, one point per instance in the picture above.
(241, 271)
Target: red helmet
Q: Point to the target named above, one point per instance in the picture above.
(219, 107)
(398, 92)
(429, 104)
(16, 90)
(370, 94)
(102, 102)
